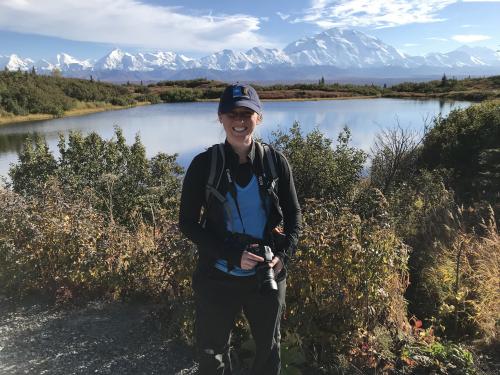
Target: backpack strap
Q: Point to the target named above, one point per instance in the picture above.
(266, 153)
(219, 148)
(270, 161)
(211, 188)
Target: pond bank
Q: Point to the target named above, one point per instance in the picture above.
(7, 120)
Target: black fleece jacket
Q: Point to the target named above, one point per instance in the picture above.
(211, 238)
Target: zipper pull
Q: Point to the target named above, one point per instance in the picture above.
(261, 181)
(230, 180)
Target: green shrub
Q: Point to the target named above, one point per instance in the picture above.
(122, 101)
(36, 165)
(117, 179)
(319, 170)
(151, 98)
(180, 94)
(457, 143)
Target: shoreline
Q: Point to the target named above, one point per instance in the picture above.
(4, 121)
(303, 99)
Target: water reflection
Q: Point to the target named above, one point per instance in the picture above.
(10, 143)
(188, 128)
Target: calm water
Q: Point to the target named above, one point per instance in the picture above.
(187, 128)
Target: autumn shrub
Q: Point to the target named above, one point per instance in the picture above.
(348, 276)
(58, 245)
(454, 261)
(463, 281)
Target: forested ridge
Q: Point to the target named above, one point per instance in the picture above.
(23, 93)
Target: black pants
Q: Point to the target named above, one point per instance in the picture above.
(219, 298)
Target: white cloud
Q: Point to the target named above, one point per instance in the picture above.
(410, 44)
(378, 13)
(467, 26)
(470, 38)
(283, 16)
(438, 39)
(130, 22)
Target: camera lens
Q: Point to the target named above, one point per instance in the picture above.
(265, 279)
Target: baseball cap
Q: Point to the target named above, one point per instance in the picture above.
(239, 95)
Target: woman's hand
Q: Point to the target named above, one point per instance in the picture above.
(277, 264)
(250, 260)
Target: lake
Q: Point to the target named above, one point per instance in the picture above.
(188, 128)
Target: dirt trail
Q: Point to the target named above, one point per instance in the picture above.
(98, 338)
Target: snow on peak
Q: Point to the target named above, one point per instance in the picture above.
(68, 63)
(338, 47)
(14, 62)
(343, 48)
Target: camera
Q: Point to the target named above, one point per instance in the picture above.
(265, 274)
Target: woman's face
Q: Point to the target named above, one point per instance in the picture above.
(239, 125)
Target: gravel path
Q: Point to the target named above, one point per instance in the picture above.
(99, 338)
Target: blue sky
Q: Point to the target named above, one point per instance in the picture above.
(91, 28)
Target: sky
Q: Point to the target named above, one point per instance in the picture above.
(196, 28)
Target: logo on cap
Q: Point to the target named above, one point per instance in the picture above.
(240, 91)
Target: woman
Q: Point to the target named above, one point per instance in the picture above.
(233, 198)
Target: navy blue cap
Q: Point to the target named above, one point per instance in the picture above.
(239, 95)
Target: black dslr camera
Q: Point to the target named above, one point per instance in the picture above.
(265, 274)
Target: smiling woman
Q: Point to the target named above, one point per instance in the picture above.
(245, 190)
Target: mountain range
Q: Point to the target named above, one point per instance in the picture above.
(334, 53)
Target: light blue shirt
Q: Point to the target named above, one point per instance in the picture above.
(253, 219)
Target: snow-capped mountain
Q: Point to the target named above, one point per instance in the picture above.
(14, 62)
(226, 60)
(166, 60)
(342, 50)
(267, 56)
(67, 63)
(44, 66)
(119, 60)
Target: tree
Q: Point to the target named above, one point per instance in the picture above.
(394, 156)
(444, 80)
(56, 72)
